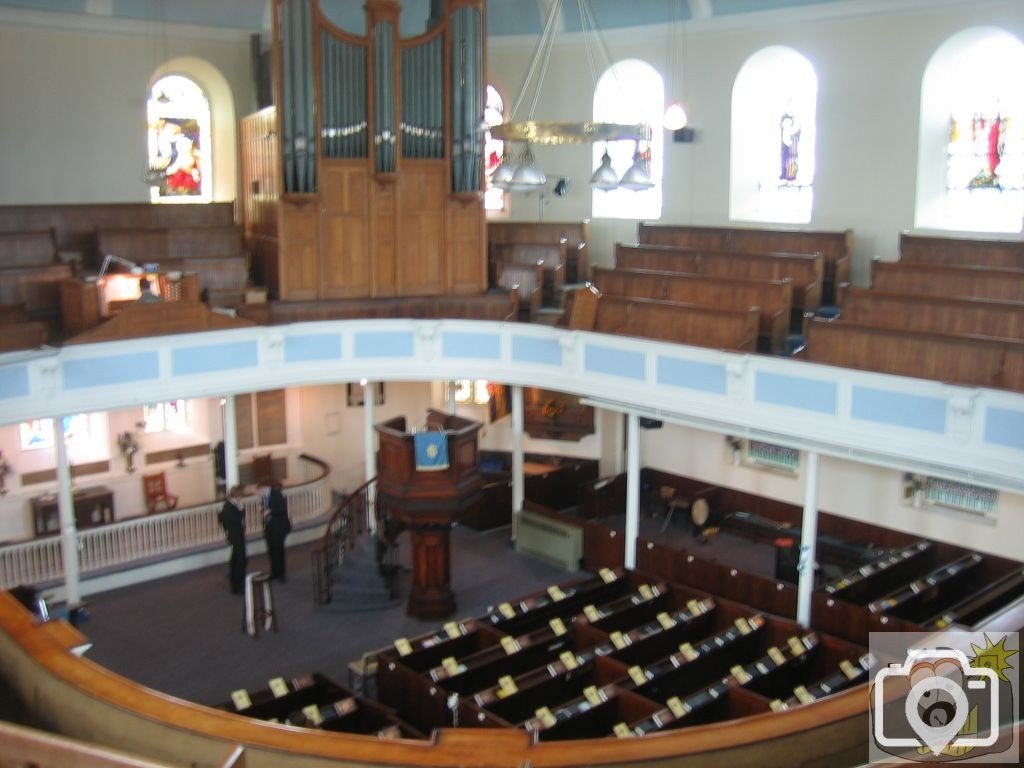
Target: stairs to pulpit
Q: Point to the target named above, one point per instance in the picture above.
(364, 581)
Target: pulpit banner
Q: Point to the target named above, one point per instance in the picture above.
(431, 451)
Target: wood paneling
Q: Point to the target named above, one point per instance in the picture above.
(299, 248)
(243, 421)
(466, 232)
(422, 193)
(271, 417)
(344, 230)
(385, 246)
(961, 252)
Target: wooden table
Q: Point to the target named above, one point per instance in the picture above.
(93, 507)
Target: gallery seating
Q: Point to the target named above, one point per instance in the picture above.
(716, 327)
(835, 247)
(29, 275)
(946, 281)
(498, 305)
(961, 252)
(573, 236)
(773, 298)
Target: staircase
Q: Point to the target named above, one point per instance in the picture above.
(359, 584)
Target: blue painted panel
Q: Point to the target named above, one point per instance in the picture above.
(215, 357)
(614, 362)
(116, 369)
(323, 346)
(1004, 427)
(531, 350)
(899, 409)
(14, 381)
(707, 377)
(461, 344)
(383, 344)
(795, 392)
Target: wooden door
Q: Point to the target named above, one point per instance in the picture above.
(421, 243)
(344, 229)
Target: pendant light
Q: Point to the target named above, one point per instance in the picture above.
(637, 178)
(605, 177)
(675, 116)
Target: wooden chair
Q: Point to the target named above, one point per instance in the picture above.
(154, 488)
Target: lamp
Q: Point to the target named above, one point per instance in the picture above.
(525, 175)
(638, 177)
(675, 116)
(135, 268)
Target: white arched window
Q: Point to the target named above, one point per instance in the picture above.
(971, 141)
(494, 114)
(774, 103)
(178, 142)
(631, 92)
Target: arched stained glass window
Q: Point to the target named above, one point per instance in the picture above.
(494, 114)
(178, 142)
(773, 138)
(971, 164)
(631, 92)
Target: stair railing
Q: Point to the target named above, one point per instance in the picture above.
(350, 518)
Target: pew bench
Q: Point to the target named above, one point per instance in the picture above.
(716, 327)
(948, 282)
(835, 247)
(961, 252)
(573, 236)
(967, 360)
(774, 298)
(497, 305)
(932, 314)
(550, 257)
(30, 274)
(527, 282)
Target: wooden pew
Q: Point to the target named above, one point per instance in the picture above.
(719, 328)
(968, 360)
(948, 282)
(30, 274)
(497, 305)
(525, 281)
(774, 298)
(215, 253)
(573, 235)
(932, 314)
(24, 334)
(804, 270)
(551, 257)
(834, 246)
(961, 252)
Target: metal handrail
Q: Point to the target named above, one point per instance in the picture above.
(350, 517)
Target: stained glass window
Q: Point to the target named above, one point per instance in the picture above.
(773, 138)
(178, 142)
(494, 114)
(38, 433)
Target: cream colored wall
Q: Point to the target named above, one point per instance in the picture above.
(869, 70)
(856, 491)
(73, 120)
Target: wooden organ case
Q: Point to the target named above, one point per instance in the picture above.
(365, 179)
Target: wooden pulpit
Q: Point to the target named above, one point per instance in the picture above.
(426, 487)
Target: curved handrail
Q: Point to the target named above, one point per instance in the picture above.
(183, 731)
(349, 518)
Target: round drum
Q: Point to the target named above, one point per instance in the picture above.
(699, 512)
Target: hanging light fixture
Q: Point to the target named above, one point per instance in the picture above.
(638, 177)
(525, 175)
(675, 115)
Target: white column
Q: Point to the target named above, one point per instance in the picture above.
(370, 449)
(66, 509)
(518, 482)
(230, 444)
(808, 541)
(632, 487)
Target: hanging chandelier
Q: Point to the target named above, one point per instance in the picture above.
(521, 173)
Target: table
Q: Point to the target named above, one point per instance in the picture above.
(93, 507)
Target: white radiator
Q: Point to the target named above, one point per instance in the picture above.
(550, 540)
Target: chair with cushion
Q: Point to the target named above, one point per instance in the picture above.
(154, 489)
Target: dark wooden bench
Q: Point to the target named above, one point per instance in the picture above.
(716, 327)
(932, 314)
(774, 297)
(657, 258)
(948, 282)
(490, 306)
(834, 246)
(550, 257)
(967, 360)
(961, 252)
(572, 235)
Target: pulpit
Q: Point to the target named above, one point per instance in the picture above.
(426, 490)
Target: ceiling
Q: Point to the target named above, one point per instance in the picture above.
(504, 17)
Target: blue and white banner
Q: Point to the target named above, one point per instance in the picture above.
(431, 451)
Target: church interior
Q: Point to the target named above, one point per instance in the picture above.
(636, 377)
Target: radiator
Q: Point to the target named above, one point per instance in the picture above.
(550, 540)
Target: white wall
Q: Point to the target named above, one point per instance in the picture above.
(869, 68)
(856, 491)
(73, 120)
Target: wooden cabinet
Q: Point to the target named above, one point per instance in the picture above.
(93, 507)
